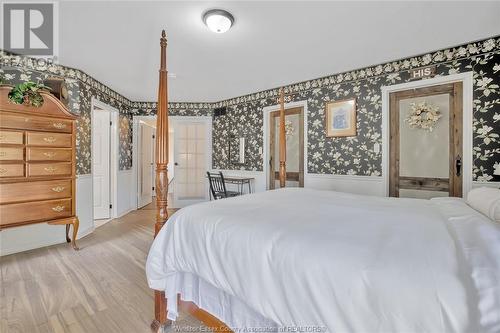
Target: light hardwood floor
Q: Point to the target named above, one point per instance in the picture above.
(101, 288)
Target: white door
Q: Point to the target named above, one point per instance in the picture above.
(101, 163)
(191, 161)
(146, 164)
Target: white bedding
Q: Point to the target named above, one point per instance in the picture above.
(348, 263)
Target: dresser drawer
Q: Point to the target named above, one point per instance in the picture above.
(35, 211)
(11, 170)
(11, 154)
(48, 139)
(31, 191)
(49, 169)
(35, 123)
(48, 154)
(11, 137)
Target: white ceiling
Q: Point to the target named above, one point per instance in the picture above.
(271, 43)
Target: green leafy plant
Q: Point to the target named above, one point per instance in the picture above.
(27, 93)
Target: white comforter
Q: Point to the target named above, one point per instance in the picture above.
(349, 263)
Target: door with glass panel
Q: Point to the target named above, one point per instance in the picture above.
(191, 161)
(426, 142)
(294, 131)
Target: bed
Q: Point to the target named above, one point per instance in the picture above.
(334, 262)
(302, 260)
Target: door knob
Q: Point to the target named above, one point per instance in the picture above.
(176, 163)
(458, 165)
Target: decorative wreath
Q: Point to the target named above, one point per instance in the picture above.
(423, 115)
(289, 130)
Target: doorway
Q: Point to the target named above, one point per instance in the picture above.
(104, 161)
(425, 145)
(192, 159)
(143, 154)
(294, 130)
(146, 165)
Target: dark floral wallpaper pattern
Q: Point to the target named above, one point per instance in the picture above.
(347, 156)
(356, 155)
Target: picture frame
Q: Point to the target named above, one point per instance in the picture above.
(340, 118)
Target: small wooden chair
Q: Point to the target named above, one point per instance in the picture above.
(218, 186)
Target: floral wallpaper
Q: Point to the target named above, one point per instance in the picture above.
(344, 156)
(356, 155)
(80, 99)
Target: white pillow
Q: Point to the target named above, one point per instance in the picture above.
(485, 200)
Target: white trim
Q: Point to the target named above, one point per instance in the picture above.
(476, 184)
(100, 223)
(126, 212)
(377, 179)
(467, 145)
(265, 154)
(135, 151)
(42, 243)
(114, 152)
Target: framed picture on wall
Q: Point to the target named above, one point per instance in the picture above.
(341, 118)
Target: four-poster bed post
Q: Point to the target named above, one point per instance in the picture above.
(161, 171)
(161, 153)
(282, 140)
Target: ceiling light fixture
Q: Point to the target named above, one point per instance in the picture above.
(218, 20)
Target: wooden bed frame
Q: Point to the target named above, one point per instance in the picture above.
(160, 321)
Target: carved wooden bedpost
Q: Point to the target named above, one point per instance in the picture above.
(282, 140)
(161, 172)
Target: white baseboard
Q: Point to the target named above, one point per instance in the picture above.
(367, 185)
(126, 212)
(476, 184)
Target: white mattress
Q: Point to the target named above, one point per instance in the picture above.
(300, 258)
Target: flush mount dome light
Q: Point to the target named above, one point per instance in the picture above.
(218, 20)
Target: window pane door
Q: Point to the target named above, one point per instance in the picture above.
(190, 162)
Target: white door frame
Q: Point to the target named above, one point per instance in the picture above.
(135, 158)
(114, 152)
(266, 111)
(467, 115)
(139, 163)
(208, 121)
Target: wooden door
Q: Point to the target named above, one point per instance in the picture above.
(424, 162)
(101, 163)
(294, 125)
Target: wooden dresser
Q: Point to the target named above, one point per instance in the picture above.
(37, 164)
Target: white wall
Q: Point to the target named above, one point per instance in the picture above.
(126, 198)
(29, 237)
(354, 184)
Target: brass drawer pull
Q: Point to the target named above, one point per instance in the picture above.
(2, 137)
(58, 209)
(2, 153)
(59, 125)
(50, 169)
(58, 189)
(50, 139)
(49, 154)
(2, 171)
